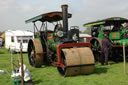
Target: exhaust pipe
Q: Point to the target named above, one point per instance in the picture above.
(65, 19)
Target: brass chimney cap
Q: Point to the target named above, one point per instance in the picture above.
(64, 6)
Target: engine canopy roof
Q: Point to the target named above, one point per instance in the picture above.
(107, 21)
(48, 17)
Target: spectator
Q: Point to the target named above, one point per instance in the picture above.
(1, 42)
(105, 49)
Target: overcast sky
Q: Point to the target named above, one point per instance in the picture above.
(13, 13)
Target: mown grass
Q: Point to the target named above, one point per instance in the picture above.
(48, 75)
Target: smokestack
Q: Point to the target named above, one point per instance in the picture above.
(65, 19)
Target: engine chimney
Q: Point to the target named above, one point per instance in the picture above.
(65, 19)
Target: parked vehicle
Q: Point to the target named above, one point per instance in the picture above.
(13, 39)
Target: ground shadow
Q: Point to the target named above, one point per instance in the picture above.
(99, 70)
(37, 81)
(2, 52)
(116, 62)
(127, 59)
(45, 65)
(113, 62)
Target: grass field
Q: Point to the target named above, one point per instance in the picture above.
(48, 75)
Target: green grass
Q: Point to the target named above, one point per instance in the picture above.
(48, 75)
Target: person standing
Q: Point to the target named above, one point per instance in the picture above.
(105, 49)
(1, 42)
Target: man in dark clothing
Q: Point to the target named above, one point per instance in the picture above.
(105, 49)
(1, 42)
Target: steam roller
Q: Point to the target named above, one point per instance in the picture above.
(77, 61)
(60, 47)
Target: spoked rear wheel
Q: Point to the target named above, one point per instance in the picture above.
(96, 48)
(35, 53)
(31, 53)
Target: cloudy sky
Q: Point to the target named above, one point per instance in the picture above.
(13, 13)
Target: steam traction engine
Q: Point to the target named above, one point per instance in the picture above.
(117, 29)
(59, 47)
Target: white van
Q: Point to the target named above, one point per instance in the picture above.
(13, 39)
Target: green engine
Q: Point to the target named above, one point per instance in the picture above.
(117, 37)
(117, 30)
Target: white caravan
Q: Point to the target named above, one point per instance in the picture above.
(85, 38)
(13, 39)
